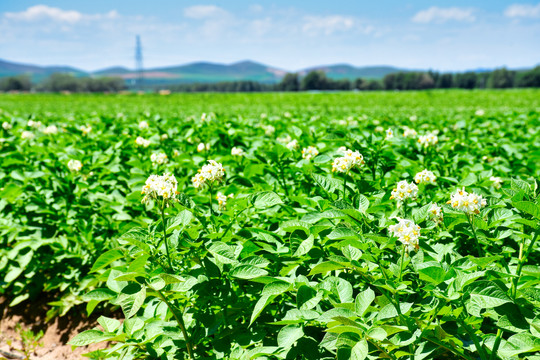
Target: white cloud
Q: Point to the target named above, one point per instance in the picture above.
(204, 12)
(44, 12)
(523, 11)
(440, 15)
(328, 25)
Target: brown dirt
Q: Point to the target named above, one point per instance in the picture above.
(56, 333)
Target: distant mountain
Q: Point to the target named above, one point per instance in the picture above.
(205, 72)
(345, 71)
(37, 73)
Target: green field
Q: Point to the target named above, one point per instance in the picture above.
(354, 253)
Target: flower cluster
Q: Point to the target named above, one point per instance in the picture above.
(292, 145)
(143, 125)
(428, 139)
(268, 130)
(236, 151)
(389, 134)
(74, 165)
(222, 199)
(409, 133)
(27, 135)
(140, 141)
(50, 130)
(34, 124)
(404, 191)
(202, 146)
(425, 177)
(497, 181)
(407, 232)
(157, 187)
(159, 158)
(435, 213)
(309, 152)
(6, 125)
(348, 161)
(211, 172)
(85, 129)
(285, 139)
(469, 203)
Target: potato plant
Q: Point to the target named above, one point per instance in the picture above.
(300, 226)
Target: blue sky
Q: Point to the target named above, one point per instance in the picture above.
(420, 34)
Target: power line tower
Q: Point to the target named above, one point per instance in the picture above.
(138, 63)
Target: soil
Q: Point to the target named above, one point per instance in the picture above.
(31, 315)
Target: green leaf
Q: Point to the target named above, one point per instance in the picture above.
(289, 335)
(247, 272)
(276, 288)
(304, 247)
(363, 203)
(431, 272)
(327, 183)
(486, 294)
(183, 218)
(360, 350)
(106, 259)
(88, 337)
(131, 299)
(528, 207)
(363, 301)
(259, 306)
(108, 324)
(265, 199)
(325, 267)
(99, 295)
(222, 252)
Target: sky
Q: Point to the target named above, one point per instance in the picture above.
(442, 35)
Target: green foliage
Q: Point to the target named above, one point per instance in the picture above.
(299, 262)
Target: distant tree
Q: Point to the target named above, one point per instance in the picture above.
(16, 83)
(290, 82)
(444, 81)
(501, 78)
(465, 80)
(529, 78)
(315, 80)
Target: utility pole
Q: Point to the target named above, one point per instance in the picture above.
(138, 63)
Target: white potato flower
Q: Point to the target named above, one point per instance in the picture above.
(429, 139)
(209, 173)
(292, 145)
(348, 161)
(425, 177)
(176, 153)
(236, 151)
(404, 191)
(85, 129)
(6, 125)
(74, 165)
(222, 199)
(140, 141)
(469, 203)
(50, 130)
(160, 187)
(27, 135)
(407, 232)
(143, 125)
(310, 152)
(164, 137)
(435, 213)
(269, 130)
(497, 181)
(285, 139)
(379, 129)
(389, 133)
(479, 112)
(34, 124)
(413, 118)
(409, 133)
(202, 146)
(159, 158)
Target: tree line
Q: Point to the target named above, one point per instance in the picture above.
(315, 80)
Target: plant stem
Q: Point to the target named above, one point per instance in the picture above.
(521, 262)
(479, 348)
(210, 202)
(478, 247)
(344, 185)
(496, 344)
(401, 262)
(165, 234)
(180, 319)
